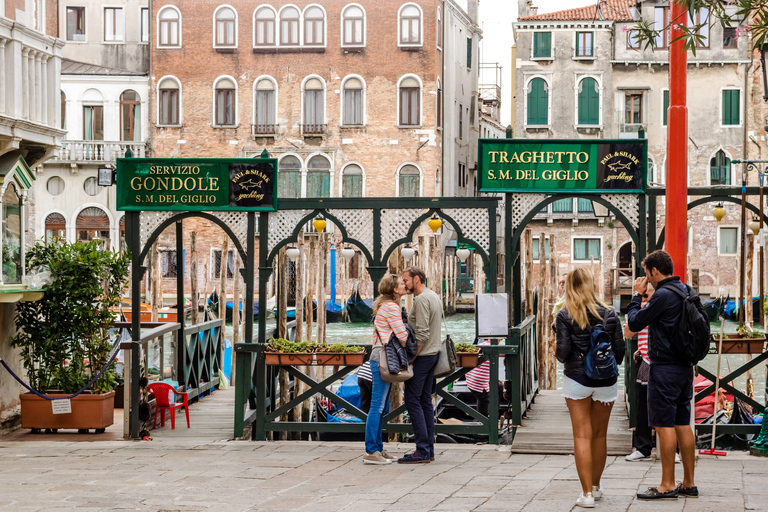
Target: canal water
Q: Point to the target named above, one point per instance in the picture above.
(462, 330)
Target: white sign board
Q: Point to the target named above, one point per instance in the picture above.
(491, 315)
(62, 406)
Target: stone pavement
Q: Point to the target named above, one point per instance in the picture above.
(186, 474)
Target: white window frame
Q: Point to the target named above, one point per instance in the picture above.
(325, 98)
(365, 27)
(223, 267)
(709, 167)
(104, 23)
(157, 27)
(341, 176)
(397, 178)
(738, 236)
(341, 102)
(549, 102)
(420, 44)
(585, 237)
(253, 29)
(278, 28)
(576, 46)
(741, 107)
(421, 103)
(143, 8)
(237, 103)
(579, 78)
(302, 172)
(302, 17)
(546, 244)
(440, 33)
(181, 100)
(305, 171)
(650, 173)
(67, 221)
(85, 25)
(237, 20)
(253, 97)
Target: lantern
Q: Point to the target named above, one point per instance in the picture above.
(755, 226)
(347, 253)
(292, 253)
(434, 224)
(463, 254)
(407, 253)
(319, 225)
(719, 212)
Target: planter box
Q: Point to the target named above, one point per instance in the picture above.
(281, 359)
(735, 344)
(88, 411)
(339, 359)
(467, 359)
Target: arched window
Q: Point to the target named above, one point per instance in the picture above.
(169, 21)
(410, 94)
(314, 107)
(265, 27)
(538, 102)
(439, 104)
(352, 181)
(55, 227)
(264, 107)
(169, 108)
(720, 169)
(650, 170)
(289, 180)
(409, 182)
(93, 224)
(226, 27)
(63, 110)
(93, 115)
(225, 102)
(130, 116)
(289, 26)
(353, 102)
(314, 26)
(354, 26)
(439, 29)
(12, 241)
(410, 25)
(318, 177)
(589, 102)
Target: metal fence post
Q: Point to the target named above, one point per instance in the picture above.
(493, 400)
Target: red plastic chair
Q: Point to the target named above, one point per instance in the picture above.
(165, 399)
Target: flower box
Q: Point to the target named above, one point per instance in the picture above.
(339, 359)
(467, 359)
(88, 411)
(289, 359)
(737, 344)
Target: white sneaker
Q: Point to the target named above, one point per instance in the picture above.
(586, 500)
(597, 491)
(636, 456)
(387, 456)
(677, 459)
(375, 458)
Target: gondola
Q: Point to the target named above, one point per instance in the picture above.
(360, 311)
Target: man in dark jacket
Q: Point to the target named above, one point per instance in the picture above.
(670, 381)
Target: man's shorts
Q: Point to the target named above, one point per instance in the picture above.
(670, 390)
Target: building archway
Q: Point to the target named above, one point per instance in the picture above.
(93, 223)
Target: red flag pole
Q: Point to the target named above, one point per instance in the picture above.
(676, 211)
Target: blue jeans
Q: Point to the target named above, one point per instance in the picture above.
(418, 401)
(379, 407)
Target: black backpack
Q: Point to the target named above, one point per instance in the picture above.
(692, 337)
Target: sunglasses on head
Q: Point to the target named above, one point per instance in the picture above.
(645, 295)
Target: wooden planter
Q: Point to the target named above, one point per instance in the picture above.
(339, 359)
(736, 344)
(284, 359)
(467, 359)
(88, 411)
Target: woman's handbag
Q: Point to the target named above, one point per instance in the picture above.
(384, 373)
(446, 360)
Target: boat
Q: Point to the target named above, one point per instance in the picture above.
(242, 305)
(166, 314)
(359, 311)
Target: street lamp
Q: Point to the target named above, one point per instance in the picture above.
(407, 253)
(292, 253)
(719, 212)
(347, 253)
(434, 224)
(463, 254)
(319, 225)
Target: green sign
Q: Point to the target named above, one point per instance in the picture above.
(599, 166)
(188, 184)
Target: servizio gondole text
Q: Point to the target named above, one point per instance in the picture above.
(193, 188)
(538, 157)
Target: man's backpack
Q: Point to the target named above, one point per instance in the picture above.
(600, 361)
(691, 339)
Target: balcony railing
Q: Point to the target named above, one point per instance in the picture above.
(98, 150)
(314, 129)
(263, 129)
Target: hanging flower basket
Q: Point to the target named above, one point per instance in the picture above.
(288, 359)
(734, 343)
(339, 355)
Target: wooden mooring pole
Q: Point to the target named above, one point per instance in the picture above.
(528, 272)
(541, 321)
(194, 291)
(552, 340)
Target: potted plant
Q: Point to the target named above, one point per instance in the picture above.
(743, 341)
(467, 354)
(339, 354)
(282, 352)
(65, 337)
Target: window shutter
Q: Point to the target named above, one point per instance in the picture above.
(469, 52)
(666, 107)
(538, 102)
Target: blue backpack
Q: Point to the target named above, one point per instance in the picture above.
(600, 361)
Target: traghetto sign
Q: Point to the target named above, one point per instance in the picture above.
(172, 184)
(597, 166)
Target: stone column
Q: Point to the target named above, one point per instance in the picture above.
(3, 76)
(38, 87)
(47, 96)
(24, 78)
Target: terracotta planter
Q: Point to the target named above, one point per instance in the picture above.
(467, 359)
(281, 359)
(88, 411)
(736, 344)
(339, 359)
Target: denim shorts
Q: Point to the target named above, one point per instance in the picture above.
(576, 391)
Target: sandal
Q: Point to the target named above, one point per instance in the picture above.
(653, 493)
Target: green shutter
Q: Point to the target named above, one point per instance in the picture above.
(585, 205)
(731, 113)
(469, 52)
(352, 185)
(542, 45)
(666, 107)
(535, 249)
(563, 206)
(538, 102)
(579, 249)
(589, 102)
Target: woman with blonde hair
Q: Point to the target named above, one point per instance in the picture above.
(387, 320)
(589, 400)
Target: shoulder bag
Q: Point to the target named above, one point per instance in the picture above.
(446, 361)
(384, 372)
